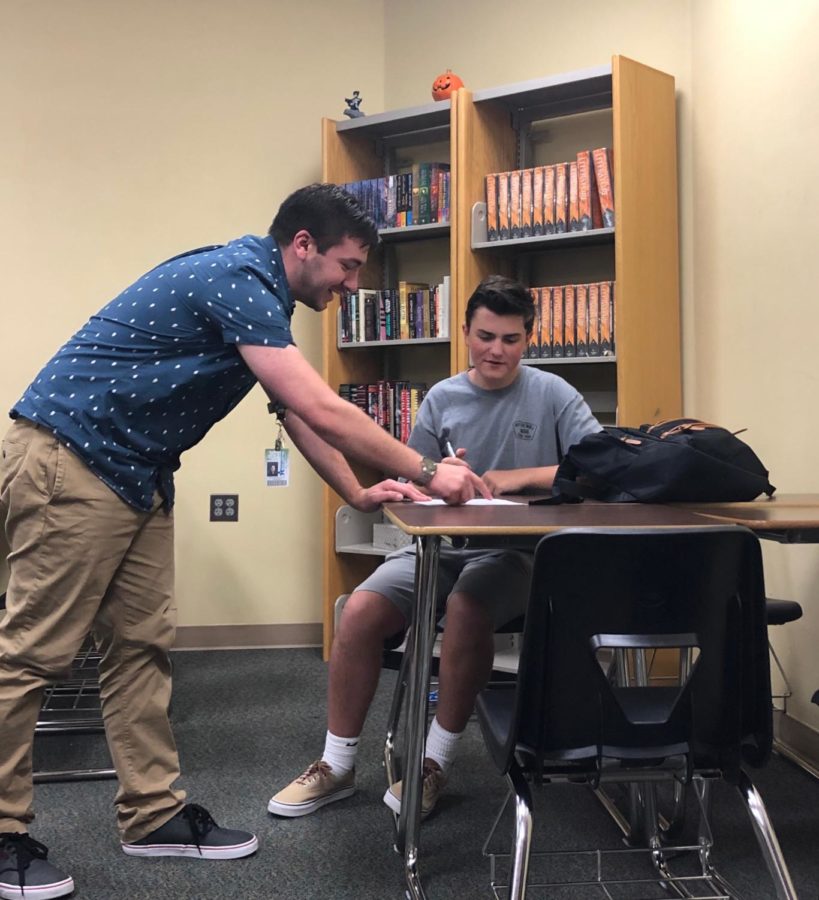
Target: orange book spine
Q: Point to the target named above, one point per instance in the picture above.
(526, 203)
(503, 206)
(585, 191)
(514, 205)
(594, 319)
(492, 207)
(574, 209)
(557, 322)
(569, 315)
(549, 200)
(545, 322)
(581, 320)
(606, 344)
(561, 198)
(537, 201)
(532, 349)
(604, 183)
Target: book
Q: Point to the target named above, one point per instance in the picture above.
(503, 206)
(515, 228)
(406, 308)
(369, 300)
(537, 201)
(588, 202)
(414, 193)
(561, 218)
(604, 181)
(526, 203)
(492, 207)
(574, 206)
(569, 309)
(594, 319)
(532, 348)
(549, 199)
(606, 342)
(545, 339)
(557, 322)
(444, 308)
(581, 319)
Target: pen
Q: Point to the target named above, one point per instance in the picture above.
(449, 450)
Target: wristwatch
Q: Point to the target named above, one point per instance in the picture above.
(428, 469)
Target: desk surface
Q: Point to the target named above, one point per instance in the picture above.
(522, 519)
(794, 516)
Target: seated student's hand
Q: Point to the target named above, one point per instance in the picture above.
(387, 491)
(458, 459)
(506, 481)
(456, 483)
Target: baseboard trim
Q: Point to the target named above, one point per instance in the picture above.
(245, 637)
(797, 742)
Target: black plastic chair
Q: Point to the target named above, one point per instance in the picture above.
(601, 597)
(780, 612)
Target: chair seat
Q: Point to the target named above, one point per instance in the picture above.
(778, 612)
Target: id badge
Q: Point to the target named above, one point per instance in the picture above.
(277, 467)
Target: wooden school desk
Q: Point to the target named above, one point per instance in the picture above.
(518, 525)
(789, 518)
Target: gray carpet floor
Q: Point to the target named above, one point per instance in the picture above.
(248, 721)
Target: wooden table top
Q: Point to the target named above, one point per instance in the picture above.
(794, 516)
(522, 519)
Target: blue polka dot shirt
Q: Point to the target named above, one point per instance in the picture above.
(147, 377)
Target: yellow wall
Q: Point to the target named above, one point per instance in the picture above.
(752, 316)
(133, 131)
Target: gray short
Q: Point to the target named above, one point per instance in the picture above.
(498, 578)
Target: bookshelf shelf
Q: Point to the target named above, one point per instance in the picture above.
(414, 233)
(626, 106)
(538, 243)
(571, 361)
(413, 342)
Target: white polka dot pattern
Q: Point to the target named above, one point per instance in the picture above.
(150, 374)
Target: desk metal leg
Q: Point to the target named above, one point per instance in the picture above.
(423, 628)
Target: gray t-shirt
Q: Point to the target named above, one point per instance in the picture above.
(530, 423)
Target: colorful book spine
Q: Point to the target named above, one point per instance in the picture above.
(604, 181)
(492, 232)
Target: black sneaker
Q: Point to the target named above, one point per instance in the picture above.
(25, 874)
(192, 832)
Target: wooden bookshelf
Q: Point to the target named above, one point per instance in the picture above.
(627, 106)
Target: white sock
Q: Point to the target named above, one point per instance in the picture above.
(339, 753)
(442, 745)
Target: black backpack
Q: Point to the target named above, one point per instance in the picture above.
(682, 460)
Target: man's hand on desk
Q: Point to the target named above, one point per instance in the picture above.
(387, 491)
(456, 483)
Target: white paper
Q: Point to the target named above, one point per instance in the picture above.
(495, 501)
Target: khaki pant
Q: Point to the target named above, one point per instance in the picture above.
(81, 559)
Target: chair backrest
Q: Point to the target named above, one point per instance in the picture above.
(698, 589)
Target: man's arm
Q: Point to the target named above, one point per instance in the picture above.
(286, 375)
(334, 469)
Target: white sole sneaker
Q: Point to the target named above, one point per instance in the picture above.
(229, 851)
(294, 810)
(35, 892)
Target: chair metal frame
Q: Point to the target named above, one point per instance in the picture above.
(700, 590)
(72, 706)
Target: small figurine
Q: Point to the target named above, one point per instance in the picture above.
(445, 84)
(353, 104)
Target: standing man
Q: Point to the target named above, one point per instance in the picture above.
(86, 497)
(511, 424)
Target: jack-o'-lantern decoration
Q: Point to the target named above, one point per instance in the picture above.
(445, 84)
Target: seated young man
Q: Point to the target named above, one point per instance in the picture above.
(509, 423)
